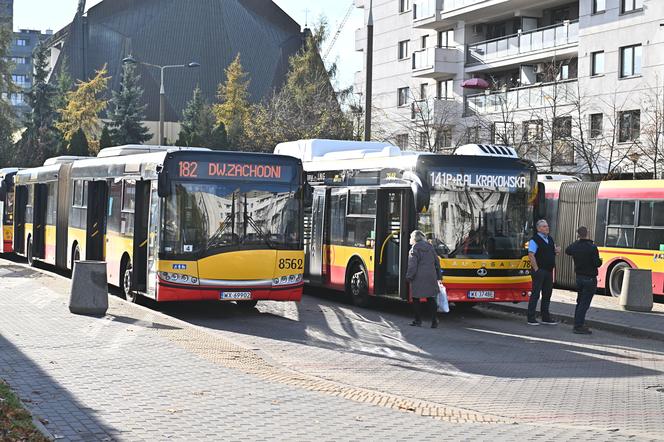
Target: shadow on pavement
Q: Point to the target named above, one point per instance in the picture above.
(472, 342)
(48, 401)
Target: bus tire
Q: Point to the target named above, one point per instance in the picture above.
(247, 305)
(125, 281)
(75, 255)
(616, 278)
(31, 258)
(357, 285)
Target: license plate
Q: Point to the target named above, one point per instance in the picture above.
(233, 296)
(481, 294)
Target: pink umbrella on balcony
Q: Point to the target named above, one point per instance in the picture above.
(475, 83)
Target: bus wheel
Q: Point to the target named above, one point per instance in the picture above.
(357, 286)
(31, 259)
(247, 305)
(129, 294)
(616, 278)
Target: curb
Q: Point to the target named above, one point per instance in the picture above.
(593, 323)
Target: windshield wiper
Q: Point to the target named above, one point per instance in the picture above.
(248, 219)
(228, 221)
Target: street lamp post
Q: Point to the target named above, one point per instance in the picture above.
(162, 90)
(634, 158)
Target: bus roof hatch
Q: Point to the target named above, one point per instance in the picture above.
(334, 150)
(487, 150)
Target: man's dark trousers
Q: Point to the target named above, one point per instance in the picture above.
(542, 285)
(585, 288)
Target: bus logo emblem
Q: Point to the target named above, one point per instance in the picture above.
(179, 266)
(482, 272)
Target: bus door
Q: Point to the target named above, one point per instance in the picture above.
(64, 200)
(96, 220)
(39, 221)
(154, 226)
(392, 233)
(141, 227)
(19, 218)
(316, 248)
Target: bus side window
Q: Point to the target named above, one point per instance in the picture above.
(338, 217)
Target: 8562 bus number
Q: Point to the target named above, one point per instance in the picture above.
(293, 264)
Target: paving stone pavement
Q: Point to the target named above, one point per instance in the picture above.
(312, 371)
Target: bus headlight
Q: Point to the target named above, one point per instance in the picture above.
(287, 280)
(178, 278)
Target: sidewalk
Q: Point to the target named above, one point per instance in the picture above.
(605, 313)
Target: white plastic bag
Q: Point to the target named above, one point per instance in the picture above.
(441, 299)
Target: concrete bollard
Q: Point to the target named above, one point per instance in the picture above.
(89, 290)
(636, 293)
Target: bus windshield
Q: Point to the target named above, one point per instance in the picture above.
(209, 217)
(478, 224)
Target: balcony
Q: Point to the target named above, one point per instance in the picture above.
(425, 12)
(359, 3)
(434, 110)
(436, 62)
(503, 50)
(560, 93)
(360, 39)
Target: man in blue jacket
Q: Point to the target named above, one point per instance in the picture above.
(542, 252)
(586, 262)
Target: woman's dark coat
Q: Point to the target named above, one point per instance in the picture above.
(423, 270)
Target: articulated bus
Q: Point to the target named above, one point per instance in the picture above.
(476, 208)
(172, 224)
(626, 220)
(7, 208)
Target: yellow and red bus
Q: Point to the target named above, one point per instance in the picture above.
(7, 208)
(626, 220)
(476, 208)
(172, 224)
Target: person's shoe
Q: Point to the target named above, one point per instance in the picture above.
(434, 324)
(416, 323)
(533, 322)
(583, 330)
(549, 321)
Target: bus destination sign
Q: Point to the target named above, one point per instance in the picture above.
(447, 180)
(233, 170)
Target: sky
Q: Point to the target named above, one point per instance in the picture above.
(55, 14)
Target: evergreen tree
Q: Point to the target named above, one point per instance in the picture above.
(7, 86)
(127, 113)
(199, 128)
(78, 145)
(105, 138)
(41, 139)
(233, 109)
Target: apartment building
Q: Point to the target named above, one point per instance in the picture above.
(20, 52)
(576, 86)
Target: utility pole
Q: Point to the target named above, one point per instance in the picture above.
(369, 76)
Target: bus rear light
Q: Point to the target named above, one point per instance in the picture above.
(178, 278)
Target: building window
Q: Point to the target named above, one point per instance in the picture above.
(562, 128)
(631, 5)
(19, 60)
(597, 63)
(446, 39)
(629, 126)
(404, 5)
(563, 73)
(443, 138)
(16, 99)
(599, 6)
(402, 141)
(502, 132)
(533, 130)
(424, 41)
(403, 50)
(424, 91)
(630, 61)
(445, 90)
(424, 141)
(472, 134)
(596, 123)
(21, 42)
(20, 79)
(403, 96)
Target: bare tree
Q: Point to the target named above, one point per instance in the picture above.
(652, 128)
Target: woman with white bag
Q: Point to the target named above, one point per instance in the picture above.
(423, 274)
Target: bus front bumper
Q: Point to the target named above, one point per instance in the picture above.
(178, 292)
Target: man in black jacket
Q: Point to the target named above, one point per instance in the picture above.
(586, 262)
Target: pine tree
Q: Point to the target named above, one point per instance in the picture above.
(7, 86)
(127, 113)
(78, 145)
(233, 109)
(199, 128)
(83, 107)
(105, 139)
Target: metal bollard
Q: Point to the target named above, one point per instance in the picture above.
(89, 290)
(636, 293)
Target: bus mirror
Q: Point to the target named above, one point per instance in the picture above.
(421, 192)
(163, 188)
(540, 204)
(307, 194)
